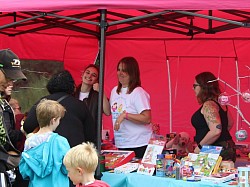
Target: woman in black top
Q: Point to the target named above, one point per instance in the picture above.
(88, 90)
(212, 121)
(77, 125)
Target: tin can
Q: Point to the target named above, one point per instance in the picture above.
(160, 171)
(177, 172)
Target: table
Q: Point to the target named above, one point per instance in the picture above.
(138, 180)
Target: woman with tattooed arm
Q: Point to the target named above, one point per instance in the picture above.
(212, 121)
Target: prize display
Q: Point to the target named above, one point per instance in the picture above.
(207, 166)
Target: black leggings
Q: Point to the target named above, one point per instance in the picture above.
(139, 151)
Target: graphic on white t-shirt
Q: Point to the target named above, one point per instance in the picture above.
(118, 106)
(114, 107)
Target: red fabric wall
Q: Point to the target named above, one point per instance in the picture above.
(186, 58)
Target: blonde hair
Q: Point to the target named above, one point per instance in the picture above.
(83, 155)
(46, 110)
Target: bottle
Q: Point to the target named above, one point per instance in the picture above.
(160, 171)
(191, 169)
(185, 170)
(107, 136)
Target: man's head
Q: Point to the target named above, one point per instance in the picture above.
(10, 68)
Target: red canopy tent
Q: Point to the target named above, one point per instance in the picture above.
(172, 40)
(29, 5)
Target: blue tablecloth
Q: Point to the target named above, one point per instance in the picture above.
(138, 180)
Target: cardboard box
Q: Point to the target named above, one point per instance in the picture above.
(116, 158)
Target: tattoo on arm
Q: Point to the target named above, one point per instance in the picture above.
(211, 113)
(219, 126)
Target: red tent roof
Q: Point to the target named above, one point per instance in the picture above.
(38, 5)
(211, 36)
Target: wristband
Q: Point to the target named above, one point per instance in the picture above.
(200, 147)
(126, 117)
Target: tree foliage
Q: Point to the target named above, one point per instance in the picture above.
(38, 73)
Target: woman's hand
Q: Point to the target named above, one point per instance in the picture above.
(117, 126)
(119, 120)
(96, 87)
(197, 150)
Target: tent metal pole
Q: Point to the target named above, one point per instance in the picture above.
(213, 18)
(21, 21)
(72, 19)
(138, 18)
(102, 45)
(170, 98)
(238, 95)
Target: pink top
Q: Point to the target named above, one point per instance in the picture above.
(96, 183)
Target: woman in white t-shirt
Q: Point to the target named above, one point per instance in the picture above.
(130, 109)
(88, 90)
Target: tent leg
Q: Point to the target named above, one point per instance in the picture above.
(102, 44)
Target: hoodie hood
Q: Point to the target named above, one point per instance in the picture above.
(43, 164)
(40, 158)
